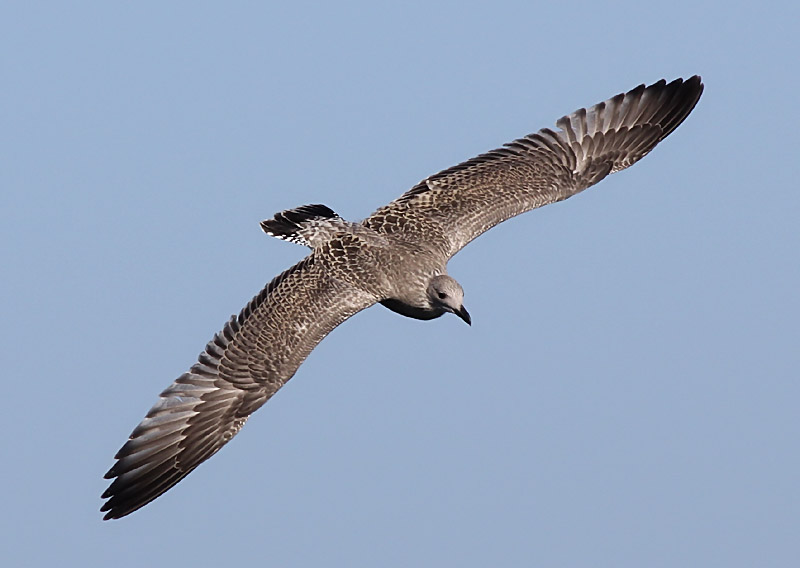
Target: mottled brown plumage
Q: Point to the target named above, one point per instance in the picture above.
(397, 257)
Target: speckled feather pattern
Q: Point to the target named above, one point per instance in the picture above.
(458, 204)
(390, 257)
(239, 370)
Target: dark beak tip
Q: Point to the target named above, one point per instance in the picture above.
(464, 315)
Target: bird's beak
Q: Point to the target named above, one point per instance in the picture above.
(464, 315)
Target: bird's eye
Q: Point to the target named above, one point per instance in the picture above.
(442, 295)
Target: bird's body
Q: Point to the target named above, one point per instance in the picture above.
(397, 257)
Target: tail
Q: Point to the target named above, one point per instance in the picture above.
(299, 225)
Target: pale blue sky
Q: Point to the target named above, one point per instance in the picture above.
(627, 395)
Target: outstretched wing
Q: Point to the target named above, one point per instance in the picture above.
(240, 369)
(453, 207)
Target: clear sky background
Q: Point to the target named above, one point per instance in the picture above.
(627, 395)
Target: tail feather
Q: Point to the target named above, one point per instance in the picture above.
(295, 225)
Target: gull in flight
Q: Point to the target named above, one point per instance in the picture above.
(397, 257)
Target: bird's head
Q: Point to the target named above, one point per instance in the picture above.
(447, 294)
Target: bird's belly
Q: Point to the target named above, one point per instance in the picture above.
(411, 311)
